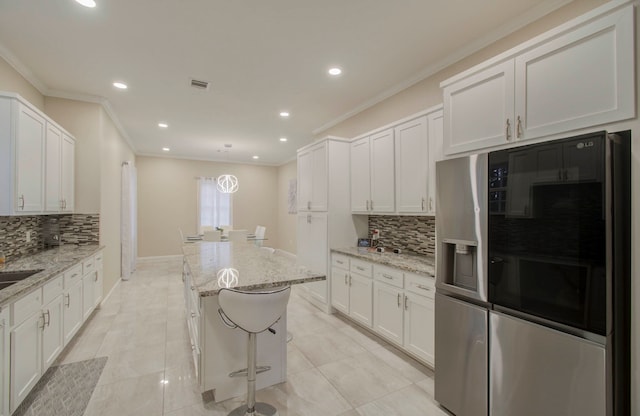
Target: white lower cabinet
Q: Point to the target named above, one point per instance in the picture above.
(41, 324)
(4, 362)
(397, 305)
(351, 288)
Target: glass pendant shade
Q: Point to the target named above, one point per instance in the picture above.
(228, 277)
(227, 184)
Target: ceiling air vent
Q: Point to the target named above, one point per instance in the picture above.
(200, 85)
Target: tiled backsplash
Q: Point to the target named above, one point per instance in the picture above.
(413, 235)
(81, 229)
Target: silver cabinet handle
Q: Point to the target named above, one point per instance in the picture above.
(367, 205)
(67, 298)
(399, 299)
(386, 276)
(349, 280)
(309, 205)
(47, 321)
(346, 277)
(339, 262)
(22, 199)
(96, 278)
(508, 130)
(423, 204)
(428, 289)
(518, 128)
(360, 268)
(406, 305)
(371, 205)
(430, 204)
(193, 314)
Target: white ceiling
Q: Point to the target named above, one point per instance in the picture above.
(261, 57)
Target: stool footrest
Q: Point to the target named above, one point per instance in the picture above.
(243, 372)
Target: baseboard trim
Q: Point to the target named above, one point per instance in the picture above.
(105, 297)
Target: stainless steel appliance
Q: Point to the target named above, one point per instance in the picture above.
(461, 347)
(558, 246)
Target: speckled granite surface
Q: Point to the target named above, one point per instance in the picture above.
(242, 266)
(51, 262)
(407, 262)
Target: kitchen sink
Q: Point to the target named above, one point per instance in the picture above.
(9, 278)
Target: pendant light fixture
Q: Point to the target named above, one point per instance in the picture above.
(226, 183)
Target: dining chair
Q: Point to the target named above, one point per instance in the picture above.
(259, 235)
(213, 235)
(237, 235)
(225, 229)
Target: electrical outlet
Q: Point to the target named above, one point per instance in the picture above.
(28, 236)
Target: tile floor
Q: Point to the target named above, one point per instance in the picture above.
(334, 368)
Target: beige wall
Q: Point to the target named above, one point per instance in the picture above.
(287, 223)
(167, 200)
(12, 81)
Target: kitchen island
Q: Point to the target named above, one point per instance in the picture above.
(217, 349)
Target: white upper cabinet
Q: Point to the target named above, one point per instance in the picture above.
(312, 178)
(435, 122)
(479, 110)
(29, 161)
(577, 76)
(36, 161)
(360, 181)
(412, 169)
(372, 173)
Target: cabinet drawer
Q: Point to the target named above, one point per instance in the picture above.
(99, 260)
(88, 265)
(339, 260)
(363, 268)
(420, 285)
(52, 289)
(394, 277)
(72, 276)
(25, 307)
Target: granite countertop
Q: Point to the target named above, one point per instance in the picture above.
(52, 262)
(424, 265)
(243, 266)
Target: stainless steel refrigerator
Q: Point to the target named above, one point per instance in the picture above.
(461, 347)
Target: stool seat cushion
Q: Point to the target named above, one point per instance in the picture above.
(254, 311)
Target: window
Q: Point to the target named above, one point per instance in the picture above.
(214, 207)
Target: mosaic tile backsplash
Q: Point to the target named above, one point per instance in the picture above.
(413, 235)
(81, 229)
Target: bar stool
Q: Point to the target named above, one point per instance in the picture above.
(253, 312)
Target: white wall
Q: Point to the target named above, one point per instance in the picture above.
(12, 81)
(167, 200)
(287, 223)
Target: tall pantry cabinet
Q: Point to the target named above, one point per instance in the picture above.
(324, 212)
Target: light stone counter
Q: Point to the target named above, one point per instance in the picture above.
(424, 265)
(241, 265)
(52, 262)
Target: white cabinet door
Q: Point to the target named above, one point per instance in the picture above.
(382, 172)
(360, 298)
(411, 145)
(388, 311)
(312, 179)
(67, 186)
(312, 250)
(305, 180)
(435, 122)
(26, 358)
(340, 289)
(419, 326)
(88, 294)
(360, 181)
(52, 335)
(30, 139)
(581, 79)
(478, 110)
(72, 311)
(319, 177)
(4, 362)
(53, 160)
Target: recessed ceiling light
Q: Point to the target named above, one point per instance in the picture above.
(256, 157)
(284, 114)
(335, 71)
(87, 3)
(163, 125)
(120, 85)
(283, 139)
(165, 149)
